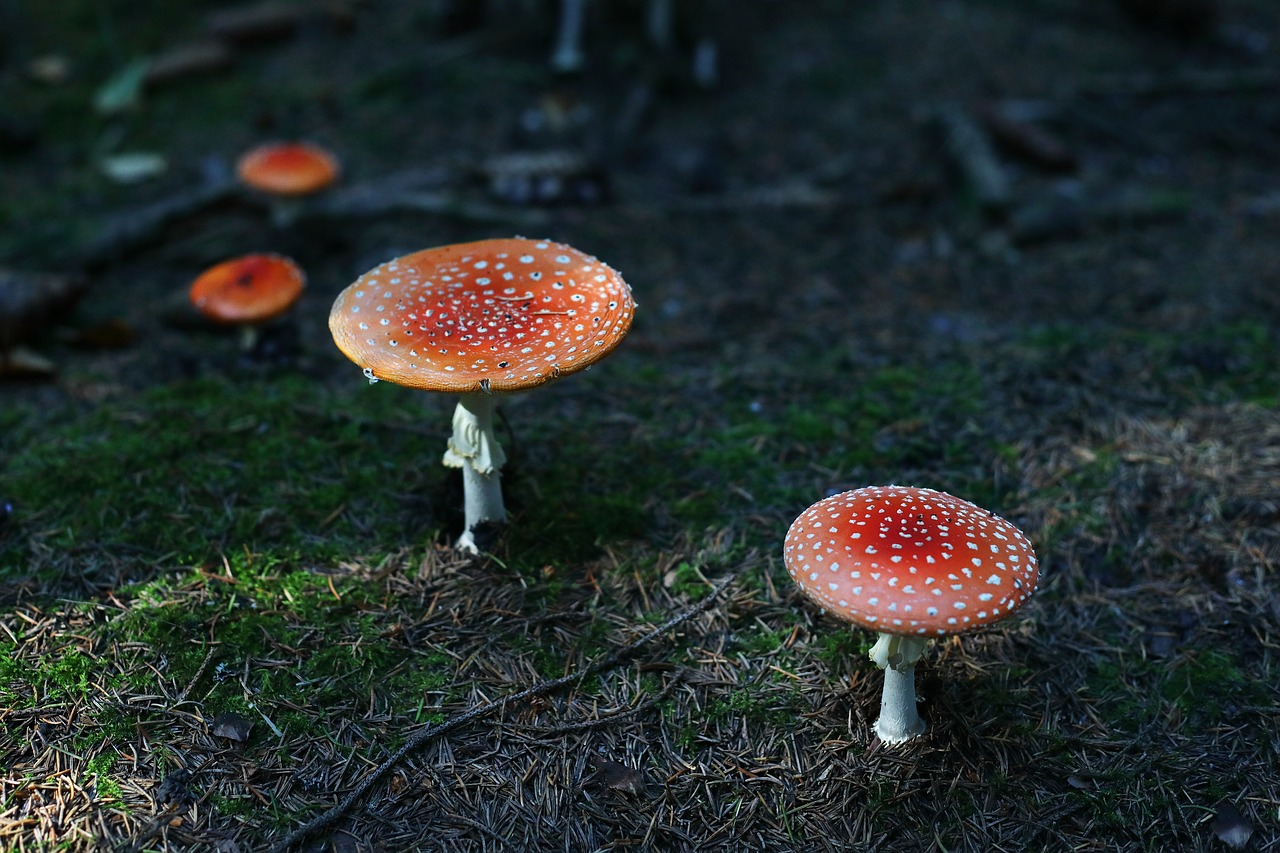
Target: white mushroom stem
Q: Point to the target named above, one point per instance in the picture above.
(658, 23)
(474, 448)
(897, 655)
(248, 336)
(567, 57)
(285, 212)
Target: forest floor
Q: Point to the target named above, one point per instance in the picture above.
(1026, 253)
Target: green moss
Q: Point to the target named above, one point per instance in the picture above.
(688, 580)
(66, 677)
(214, 467)
(773, 707)
(105, 725)
(1201, 684)
(245, 807)
(100, 767)
(840, 647)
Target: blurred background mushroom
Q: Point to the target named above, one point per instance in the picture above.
(285, 172)
(248, 291)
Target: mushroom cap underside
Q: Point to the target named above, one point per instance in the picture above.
(910, 561)
(493, 315)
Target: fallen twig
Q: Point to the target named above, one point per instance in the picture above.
(1184, 81)
(421, 737)
(801, 194)
(131, 231)
(1027, 139)
(604, 719)
(974, 156)
(362, 201)
(1044, 220)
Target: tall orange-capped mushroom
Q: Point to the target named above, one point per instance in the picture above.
(248, 291)
(288, 168)
(910, 564)
(480, 320)
(287, 171)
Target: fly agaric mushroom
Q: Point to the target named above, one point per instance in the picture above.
(287, 171)
(248, 291)
(479, 320)
(910, 564)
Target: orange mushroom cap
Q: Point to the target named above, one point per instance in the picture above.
(910, 561)
(248, 289)
(496, 315)
(288, 168)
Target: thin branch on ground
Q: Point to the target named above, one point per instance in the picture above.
(420, 738)
(603, 719)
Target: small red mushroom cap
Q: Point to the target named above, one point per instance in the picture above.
(288, 168)
(910, 561)
(496, 315)
(248, 289)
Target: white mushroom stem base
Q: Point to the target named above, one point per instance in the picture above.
(897, 655)
(474, 448)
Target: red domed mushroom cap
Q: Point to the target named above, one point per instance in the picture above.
(248, 289)
(902, 560)
(501, 315)
(288, 168)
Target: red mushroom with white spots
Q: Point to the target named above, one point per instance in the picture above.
(480, 320)
(911, 564)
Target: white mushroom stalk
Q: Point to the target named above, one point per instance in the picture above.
(567, 57)
(899, 719)
(474, 448)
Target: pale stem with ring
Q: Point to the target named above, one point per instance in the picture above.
(897, 655)
(474, 448)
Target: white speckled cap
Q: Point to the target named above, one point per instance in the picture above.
(902, 560)
(497, 315)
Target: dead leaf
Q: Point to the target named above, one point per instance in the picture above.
(1232, 828)
(24, 363)
(50, 69)
(231, 726)
(123, 91)
(133, 167)
(618, 776)
(173, 788)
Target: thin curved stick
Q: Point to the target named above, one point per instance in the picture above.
(419, 738)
